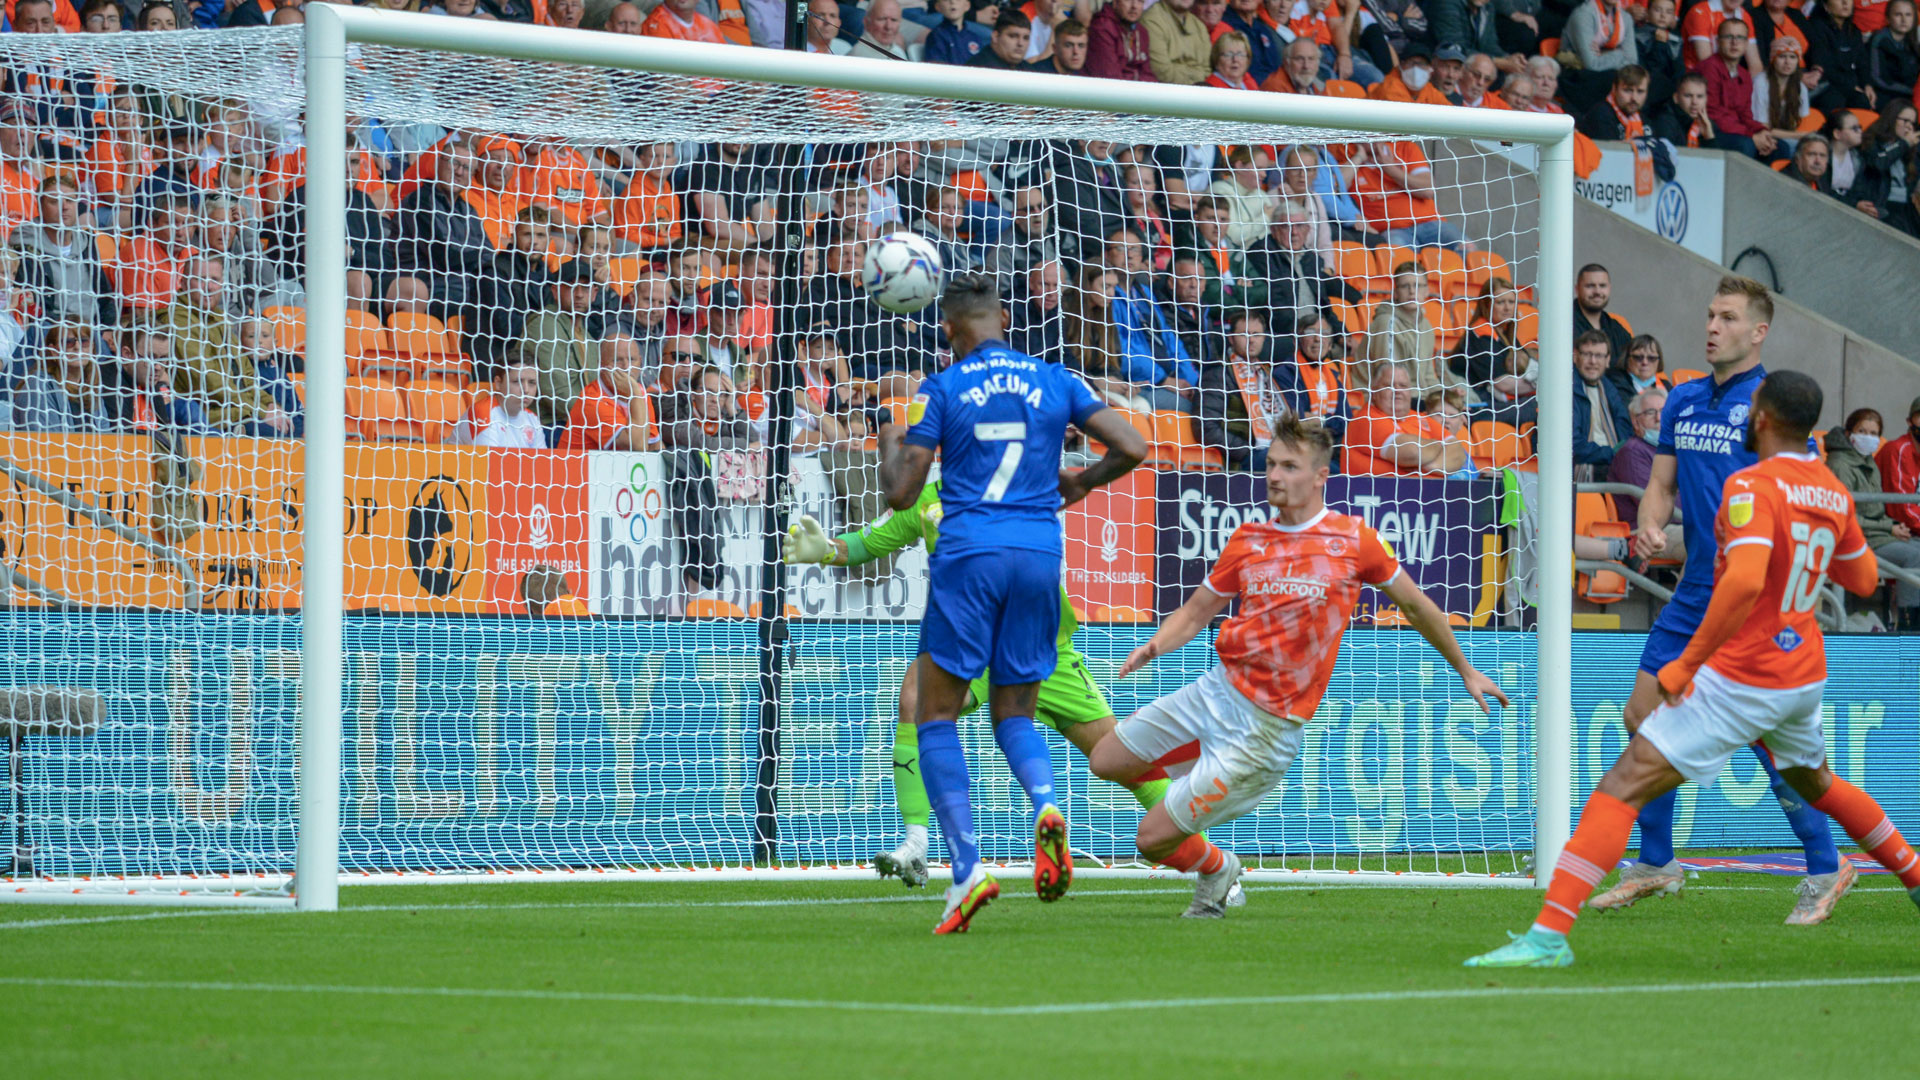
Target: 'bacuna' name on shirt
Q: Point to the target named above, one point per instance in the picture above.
(1002, 382)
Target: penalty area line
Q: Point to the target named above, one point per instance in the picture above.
(830, 1005)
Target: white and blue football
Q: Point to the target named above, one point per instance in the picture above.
(902, 272)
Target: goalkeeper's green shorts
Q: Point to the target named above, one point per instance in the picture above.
(1068, 697)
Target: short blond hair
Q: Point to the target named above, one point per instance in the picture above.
(1759, 300)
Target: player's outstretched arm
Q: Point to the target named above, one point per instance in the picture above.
(1126, 449)
(903, 467)
(1656, 507)
(1181, 627)
(1425, 616)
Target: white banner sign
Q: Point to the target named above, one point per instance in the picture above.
(1685, 210)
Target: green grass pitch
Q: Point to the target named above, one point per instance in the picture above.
(794, 979)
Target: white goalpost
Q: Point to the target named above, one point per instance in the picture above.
(386, 651)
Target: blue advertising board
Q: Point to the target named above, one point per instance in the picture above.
(484, 743)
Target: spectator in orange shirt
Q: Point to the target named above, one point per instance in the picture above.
(1386, 437)
(648, 214)
(1545, 73)
(680, 20)
(1899, 462)
(20, 168)
(1412, 80)
(1476, 83)
(559, 178)
(149, 266)
(1518, 93)
(1394, 185)
(614, 412)
(1299, 70)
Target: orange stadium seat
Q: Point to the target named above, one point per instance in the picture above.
(1682, 375)
(378, 411)
(426, 344)
(1119, 613)
(1494, 444)
(434, 407)
(1550, 46)
(1388, 256)
(1813, 121)
(1446, 272)
(1174, 439)
(1345, 88)
(1354, 317)
(1593, 516)
(1867, 117)
(623, 271)
(1483, 266)
(1356, 263)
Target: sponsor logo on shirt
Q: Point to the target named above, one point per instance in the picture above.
(1787, 640)
(1709, 436)
(916, 409)
(1299, 587)
(1740, 510)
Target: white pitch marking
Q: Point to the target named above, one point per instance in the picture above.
(796, 901)
(828, 1005)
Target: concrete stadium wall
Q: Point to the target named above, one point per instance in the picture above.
(1662, 290)
(1829, 257)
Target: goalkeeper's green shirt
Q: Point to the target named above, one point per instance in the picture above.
(921, 521)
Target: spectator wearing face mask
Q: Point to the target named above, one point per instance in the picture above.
(1899, 463)
(1850, 455)
(1633, 458)
(1412, 80)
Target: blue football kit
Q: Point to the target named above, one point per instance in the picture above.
(1703, 427)
(999, 419)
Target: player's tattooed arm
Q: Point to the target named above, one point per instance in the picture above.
(1426, 617)
(1181, 627)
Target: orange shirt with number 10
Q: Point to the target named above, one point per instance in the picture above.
(1791, 505)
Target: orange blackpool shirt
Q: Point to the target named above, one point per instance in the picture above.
(1297, 586)
(597, 416)
(560, 180)
(1793, 506)
(648, 213)
(1369, 432)
(1384, 203)
(664, 24)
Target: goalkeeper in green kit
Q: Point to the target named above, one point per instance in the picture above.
(1069, 702)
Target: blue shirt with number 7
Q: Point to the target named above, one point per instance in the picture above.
(999, 419)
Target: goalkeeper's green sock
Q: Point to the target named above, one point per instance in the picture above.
(909, 791)
(1148, 793)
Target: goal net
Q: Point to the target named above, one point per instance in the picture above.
(537, 361)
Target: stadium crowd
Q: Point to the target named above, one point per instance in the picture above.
(524, 292)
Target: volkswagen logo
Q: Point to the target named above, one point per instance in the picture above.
(1670, 212)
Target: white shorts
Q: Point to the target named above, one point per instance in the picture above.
(1243, 752)
(1702, 733)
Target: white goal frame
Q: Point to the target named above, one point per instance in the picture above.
(330, 32)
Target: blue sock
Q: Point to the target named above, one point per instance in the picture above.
(943, 768)
(1027, 755)
(1810, 825)
(1656, 830)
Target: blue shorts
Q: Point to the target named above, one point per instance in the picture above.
(997, 608)
(1674, 628)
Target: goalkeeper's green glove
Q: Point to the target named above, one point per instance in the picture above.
(807, 542)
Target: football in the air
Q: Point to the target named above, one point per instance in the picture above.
(902, 272)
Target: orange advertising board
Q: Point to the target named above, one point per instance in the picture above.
(1109, 548)
(537, 503)
(416, 523)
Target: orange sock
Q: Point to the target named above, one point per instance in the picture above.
(1597, 845)
(1195, 853)
(1863, 819)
